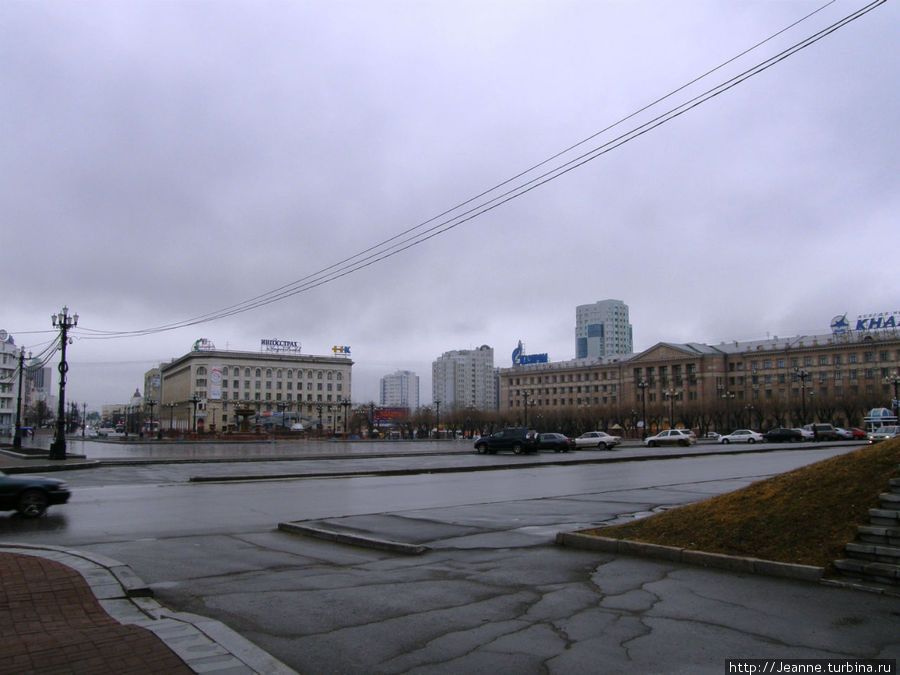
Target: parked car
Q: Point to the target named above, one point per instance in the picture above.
(683, 437)
(712, 435)
(858, 434)
(517, 439)
(742, 436)
(31, 495)
(555, 442)
(823, 432)
(783, 435)
(884, 434)
(597, 439)
(845, 434)
(807, 434)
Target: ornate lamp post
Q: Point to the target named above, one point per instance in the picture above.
(802, 374)
(895, 403)
(194, 400)
(151, 403)
(526, 394)
(727, 395)
(17, 438)
(64, 322)
(437, 424)
(672, 394)
(642, 385)
(345, 404)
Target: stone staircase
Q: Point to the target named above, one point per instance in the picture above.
(874, 557)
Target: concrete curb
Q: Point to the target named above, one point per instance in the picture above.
(747, 565)
(205, 645)
(353, 539)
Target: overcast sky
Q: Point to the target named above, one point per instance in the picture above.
(167, 159)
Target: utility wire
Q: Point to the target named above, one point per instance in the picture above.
(417, 235)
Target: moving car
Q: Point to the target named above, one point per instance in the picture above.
(682, 437)
(517, 439)
(31, 495)
(783, 435)
(742, 436)
(597, 439)
(555, 442)
(884, 434)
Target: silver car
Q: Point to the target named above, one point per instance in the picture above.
(683, 437)
(597, 439)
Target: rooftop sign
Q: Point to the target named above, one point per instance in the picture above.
(519, 358)
(866, 322)
(279, 345)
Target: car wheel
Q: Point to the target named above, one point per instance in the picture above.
(652, 444)
(684, 444)
(751, 440)
(32, 503)
(601, 446)
(725, 441)
(481, 448)
(517, 449)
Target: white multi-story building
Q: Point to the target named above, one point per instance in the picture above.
(465, 379)
(400, 390)
(602, 329)
(9, 384)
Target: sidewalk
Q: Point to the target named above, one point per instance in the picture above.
(73, 613)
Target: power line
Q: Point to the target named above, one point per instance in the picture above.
(479, 205)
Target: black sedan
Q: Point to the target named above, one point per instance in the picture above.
(31, 495)
(783, 435)
(555, 442)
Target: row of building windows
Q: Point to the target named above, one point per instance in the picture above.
(822, 360)
(235, 371)
(257, 396)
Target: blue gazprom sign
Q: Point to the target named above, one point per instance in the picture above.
(519, 358)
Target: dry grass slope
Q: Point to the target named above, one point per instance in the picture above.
(805, 516)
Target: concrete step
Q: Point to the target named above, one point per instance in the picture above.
(874, 552)
(895, 485)
(879, 534)
(889, 500)
(875, 572)
(888, 517)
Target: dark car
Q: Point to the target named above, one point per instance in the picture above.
(31, 495)
(517, 439)
(555, 442)
(783, 435)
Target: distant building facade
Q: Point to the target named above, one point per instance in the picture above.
(602, 329)
(205, 388)
(778, 376)
(9, 384)
(400, 390)
(465, 379)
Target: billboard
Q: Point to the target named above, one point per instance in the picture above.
(519, 358)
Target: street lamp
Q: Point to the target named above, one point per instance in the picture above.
(672, 394)
(894, 380)
(525, 394)
(64, 322)
(345, 404)
(17, 439)
(151, 403)
(727, 395)
(194, 400)
(802, 374)
(642, 385)
(437, 424)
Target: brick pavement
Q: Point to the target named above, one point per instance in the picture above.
(51, 623)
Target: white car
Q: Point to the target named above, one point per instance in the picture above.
(597, 439)
(884, 434)
(683, 437)
(742, 436)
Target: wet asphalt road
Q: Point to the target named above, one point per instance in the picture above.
(494, 594)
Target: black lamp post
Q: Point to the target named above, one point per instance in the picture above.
(64, 322)
(151, 403)
(642, 385)
(319, 410)
(345, 403)
(727, 395)
(802, 374)
(525, 394)
(672, 394)
(17, 438)
(194, 400)
(894, 380)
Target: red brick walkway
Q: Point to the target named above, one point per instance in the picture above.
(51, 623)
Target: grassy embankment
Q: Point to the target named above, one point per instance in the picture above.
(805, 516)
